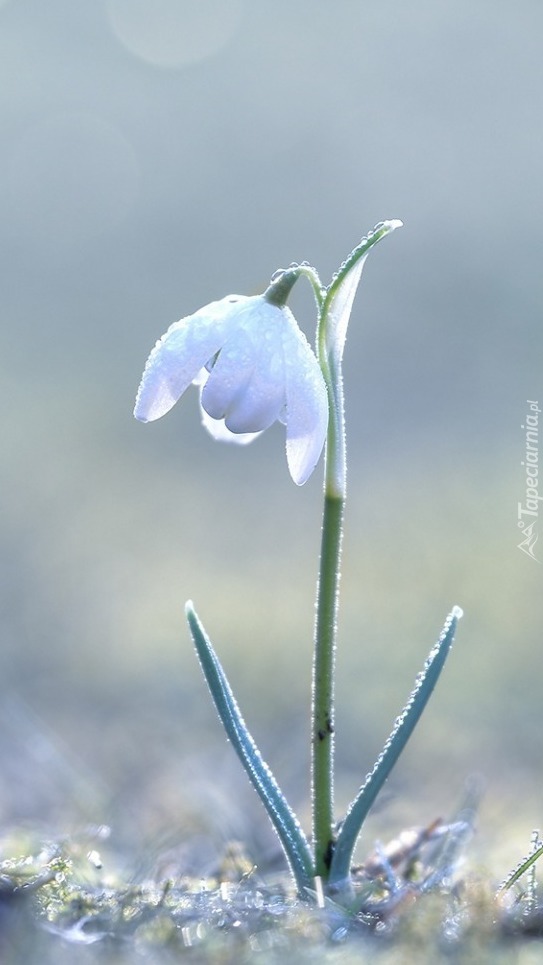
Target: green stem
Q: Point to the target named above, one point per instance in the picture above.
(323, 685)
(326, 623)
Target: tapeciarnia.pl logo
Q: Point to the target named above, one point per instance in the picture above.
(528, 512)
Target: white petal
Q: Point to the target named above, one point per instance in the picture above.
(246, 386)
(259, 406)
(220, 433)
(229, 376)
(180, 354)
(306, 414)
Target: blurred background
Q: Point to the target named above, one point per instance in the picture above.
(159, 154)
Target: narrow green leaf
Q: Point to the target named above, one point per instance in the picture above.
(521, 869)
(401, 732)
(282, 817)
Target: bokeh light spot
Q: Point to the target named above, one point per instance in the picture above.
(173, 33)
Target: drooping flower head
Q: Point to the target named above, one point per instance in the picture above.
(253, 366)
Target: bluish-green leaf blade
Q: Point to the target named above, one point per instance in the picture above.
(281, 815)
(401, 732)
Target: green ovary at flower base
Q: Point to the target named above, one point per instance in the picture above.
(254, 367)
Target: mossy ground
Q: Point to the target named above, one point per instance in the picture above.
(61, 904)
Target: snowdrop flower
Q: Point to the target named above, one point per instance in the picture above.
(253, 366)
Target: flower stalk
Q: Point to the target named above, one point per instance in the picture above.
(323, 684)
